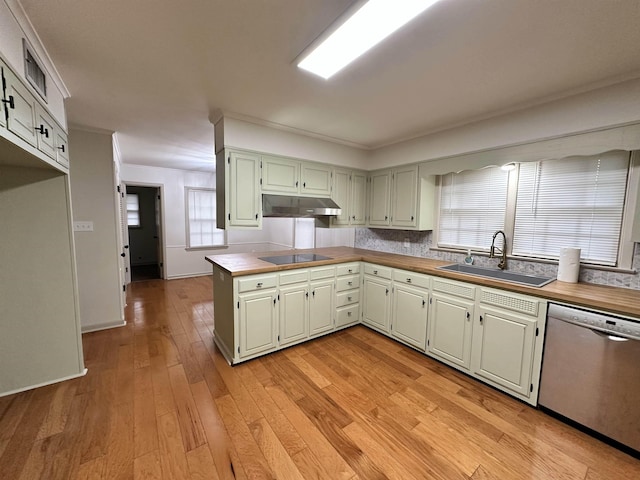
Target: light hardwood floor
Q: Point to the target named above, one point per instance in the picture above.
(159, 401)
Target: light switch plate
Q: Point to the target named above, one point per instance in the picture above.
(83, 226)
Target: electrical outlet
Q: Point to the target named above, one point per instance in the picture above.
(407, 244)
(83, 226)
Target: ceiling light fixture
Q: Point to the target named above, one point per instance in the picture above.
(370, 24)
(508, 167)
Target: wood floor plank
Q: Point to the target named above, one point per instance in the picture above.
(188, 418)
(145, 430)
(253, 461)
(121, 447)
(216, 384)
(188, 359)
(172, 454)
(222, 451)
(201, 464)
(148, 467)
(274, 452)
(162, 393)
(93, 469)
(58, 411)
(11, 416)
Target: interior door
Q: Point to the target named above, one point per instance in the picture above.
(124, 231)
(158, 235)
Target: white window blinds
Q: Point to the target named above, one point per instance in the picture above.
(133, 210)
(572, 202)
(201, 226)
(472, 207)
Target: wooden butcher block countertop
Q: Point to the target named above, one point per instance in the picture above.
(612, 299)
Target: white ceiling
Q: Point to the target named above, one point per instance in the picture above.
(153, 70)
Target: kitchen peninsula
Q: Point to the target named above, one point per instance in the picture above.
(494, 330)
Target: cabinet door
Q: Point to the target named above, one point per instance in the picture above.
(340, 195)
(3, 118)
(280, 175)
(321, 307)
(450, 328)
(358, 202)
(409, 319)
(316, 180)
(21, 108)
(293, 313)
(245, 201)
(404, 197)
(503, 349)
(376, 308)
(62, 148)
(258, 322)
(380, 198)
(45, 132)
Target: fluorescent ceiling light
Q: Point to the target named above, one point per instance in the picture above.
(372, 23)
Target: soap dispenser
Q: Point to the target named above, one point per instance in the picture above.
(468, 259)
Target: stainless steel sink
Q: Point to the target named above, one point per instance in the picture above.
(512, 277)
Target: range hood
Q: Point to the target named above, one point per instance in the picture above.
(286, 206)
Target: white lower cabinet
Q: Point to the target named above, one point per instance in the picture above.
(376, 310)
(321, 309)
(506, 350)
(410, 312)
(348, 282)
(450, 327)
(258, 322)
(293, 313)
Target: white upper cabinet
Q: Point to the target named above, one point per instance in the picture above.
(21, 108)
(402, 198)
(280, 175)
(62, 148)
(350, 193)
(239, 202)
(45, 132)
(404, 195)
(316, 179)
(379, 198)
(288, 176)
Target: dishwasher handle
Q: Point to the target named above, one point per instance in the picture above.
(610, 336)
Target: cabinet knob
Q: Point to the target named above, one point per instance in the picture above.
(349, 283)
(259, 285)
(375, 272)
(480, 319)
(348, 314)
(408, 280)
(349, 298)
(350, 271)
(61, 147)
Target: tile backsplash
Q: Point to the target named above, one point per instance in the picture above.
(418, 244)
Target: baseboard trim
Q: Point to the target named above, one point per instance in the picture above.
(44, 384)
(97, 328)
(189, 275)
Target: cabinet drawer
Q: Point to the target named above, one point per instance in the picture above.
(378, 271)
(257, 282)
(347, 283)
(348, 269)
(347, 298)
(347, 315)
(411, 278)
(457, 289)
(321, 272)
(295, 276)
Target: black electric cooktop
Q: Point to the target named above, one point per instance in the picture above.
(297, 258)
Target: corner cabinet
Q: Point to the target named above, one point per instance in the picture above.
(350, 193)
(239, 201)
(402, 198)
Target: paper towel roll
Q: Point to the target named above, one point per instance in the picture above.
(569, 265)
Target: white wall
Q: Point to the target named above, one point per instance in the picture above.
(260, 138)
(97, 252)
(604, 107)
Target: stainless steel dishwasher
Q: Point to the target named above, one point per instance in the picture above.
(591, 372)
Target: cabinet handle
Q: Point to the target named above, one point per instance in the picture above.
(480, 319)
(353, 218)
(61, 147)
(123, 254)
(304, 185)
(424, 302)
(306, 294)
(274, 302)
(412, 218)
(259, 285)
(348, 314)
(386, 292)
(408, 280)
(349, 298)
(296, 183)
(43, 131)
(468, 315)
(313, 293)
(256, 216)
(350, 271)
(11, 102)
(375, 272)
(349, 283)
(386, 218)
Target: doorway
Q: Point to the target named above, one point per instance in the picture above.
(144, 230)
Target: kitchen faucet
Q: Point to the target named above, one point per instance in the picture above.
(503, 259)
